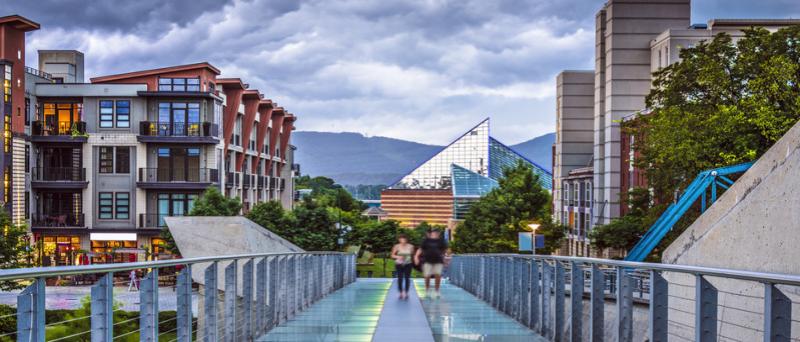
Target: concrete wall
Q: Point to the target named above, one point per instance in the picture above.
(753, 226)
(574, 132)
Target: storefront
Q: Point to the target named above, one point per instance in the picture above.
(114, 248)
(60, 250)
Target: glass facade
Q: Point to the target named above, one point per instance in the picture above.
(470, 184)
(469, 151)
(502, 157)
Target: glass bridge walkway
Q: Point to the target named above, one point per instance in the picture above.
(369, 310)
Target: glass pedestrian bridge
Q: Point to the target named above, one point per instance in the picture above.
(317, 297)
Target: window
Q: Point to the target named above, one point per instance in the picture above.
(588, 223)
(123, 113)
(7, 83)
(106, 114)
(114, 205)
(576, 198)
(27, 111)
(106, 205)
(115, 159)
(122, 205)
(179, 84)
(123, 157)
(106, 159)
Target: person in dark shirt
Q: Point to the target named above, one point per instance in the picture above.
(431, 254)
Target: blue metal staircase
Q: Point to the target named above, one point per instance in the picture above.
(697, 189)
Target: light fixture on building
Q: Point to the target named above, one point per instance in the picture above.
(112, 236)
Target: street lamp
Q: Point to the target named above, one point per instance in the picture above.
(533, 227)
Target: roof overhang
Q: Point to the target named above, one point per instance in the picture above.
(20, 23)
(151, 72)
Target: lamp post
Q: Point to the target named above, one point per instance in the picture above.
(533, 227)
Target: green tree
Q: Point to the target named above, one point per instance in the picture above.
(313, 227)
(271, 216)
(723, 103)
(213, 203)
(13, 248)
(493, 222)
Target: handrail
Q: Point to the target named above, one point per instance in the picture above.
(763, 277)
(52, 271)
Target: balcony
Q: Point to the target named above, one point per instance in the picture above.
(59, 131)
(153, 221)
(164, 178)
(262, 182)
(232, 179)
(57, 220)
(248, 181)
(178, 132)
(58, 178)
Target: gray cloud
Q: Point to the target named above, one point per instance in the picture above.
(421, 70)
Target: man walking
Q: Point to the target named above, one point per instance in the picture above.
(431, 253)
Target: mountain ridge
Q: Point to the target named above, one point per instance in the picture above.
(351, 158)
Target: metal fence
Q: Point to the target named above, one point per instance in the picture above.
(534, 291)
(241, 297)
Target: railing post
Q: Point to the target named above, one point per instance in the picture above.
(659, 308)
(534, 317)
(705, 310)
(148, 307)
(261, 296)
(624, 306)
(777, 314)
(597, 305)
(521, 289)
(230, 302)
(576, 297)
(547, 276)
(247, 300)
(560, 302)
(272, 291)
(102, 309)
(184, 307)
(210, 315)
(31, 312)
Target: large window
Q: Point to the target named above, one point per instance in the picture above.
(60, 117)
(179, 118)
(114, 205)
(115, 111)
(174, 204)
(179, 164)
(179, 84)
(7, 83)
(115, 159)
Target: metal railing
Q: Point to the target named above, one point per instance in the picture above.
(192, 175)
(533, 290)
(45, 128)
(178, 129)
(39, 73)
(148, 220)
(56, 220)
(254, 293)
(59, 174)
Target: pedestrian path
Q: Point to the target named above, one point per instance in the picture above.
(349, 314)
(457, 315)
(369, 310)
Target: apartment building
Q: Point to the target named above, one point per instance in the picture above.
(633, 39)
(110, 159)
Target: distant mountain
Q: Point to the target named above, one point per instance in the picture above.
(352, 158)
(539, 150)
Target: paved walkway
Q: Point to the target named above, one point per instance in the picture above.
(369, 310)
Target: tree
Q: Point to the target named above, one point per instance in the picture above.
(493, 222)
(271, 216)
(723, 103)
(213, 203)
(313, 228)
(13, 249)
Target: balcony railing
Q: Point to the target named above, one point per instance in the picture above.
(147, 220)
(177, 129)
(262, 182)
(39, 73)
(59, 174)
(64, 128)
(247, 180)
(190, 175)
(56, 220)
(232, 179)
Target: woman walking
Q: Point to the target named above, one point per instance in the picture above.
(402, 253)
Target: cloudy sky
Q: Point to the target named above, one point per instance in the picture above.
(419, 70)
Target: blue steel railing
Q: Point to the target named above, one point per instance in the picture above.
(533, 289)
(267, 289)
